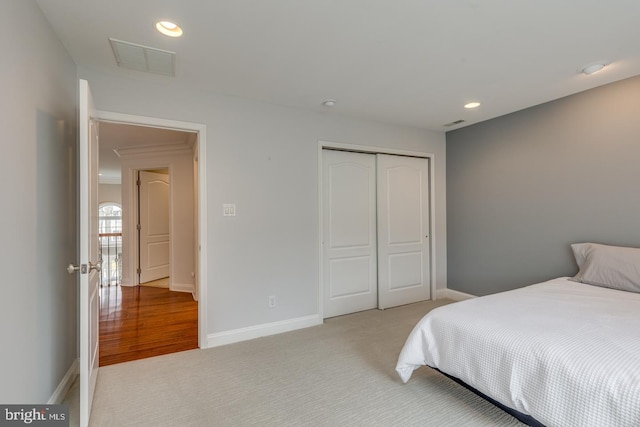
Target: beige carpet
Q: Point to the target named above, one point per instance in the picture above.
(341, 373)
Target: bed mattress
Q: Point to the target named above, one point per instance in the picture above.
(565, 353)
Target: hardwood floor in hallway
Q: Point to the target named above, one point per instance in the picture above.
(140, 322)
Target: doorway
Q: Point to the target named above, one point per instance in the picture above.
(129, 301)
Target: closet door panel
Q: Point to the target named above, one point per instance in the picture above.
(403, 230)
(405, 270)
(349, 232)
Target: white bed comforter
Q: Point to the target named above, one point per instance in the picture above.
(566, 353)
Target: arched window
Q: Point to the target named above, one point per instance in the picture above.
(109, 218)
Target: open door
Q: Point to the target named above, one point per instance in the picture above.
(89, 263)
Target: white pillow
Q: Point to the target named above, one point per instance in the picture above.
(613, 267)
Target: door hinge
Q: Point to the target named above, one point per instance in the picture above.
(139, 271)
(138, 182)
(138, 227)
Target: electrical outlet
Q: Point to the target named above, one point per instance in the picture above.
(229, 209)
(272, 301)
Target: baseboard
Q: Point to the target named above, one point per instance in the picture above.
(457, 295)
(67, 381)
(251, 332)
(182, 287)
(441, 294)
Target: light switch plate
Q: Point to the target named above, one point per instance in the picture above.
(229, 209)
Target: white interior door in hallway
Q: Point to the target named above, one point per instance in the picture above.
(154, 226)
(375, 231)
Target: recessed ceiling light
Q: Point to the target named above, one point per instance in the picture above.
(593, 68)
(329, 103)
(471, 105)
(169, 28)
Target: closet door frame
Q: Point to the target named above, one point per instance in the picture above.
(322, 145)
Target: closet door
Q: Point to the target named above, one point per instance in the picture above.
(349, 232)
(403, 230)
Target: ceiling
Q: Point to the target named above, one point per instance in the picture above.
(119, 136)
(407, 62)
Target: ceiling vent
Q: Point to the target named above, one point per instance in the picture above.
(457, 122)
(144, 58)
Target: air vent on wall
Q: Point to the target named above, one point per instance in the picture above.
(456, 122)
(143, 58)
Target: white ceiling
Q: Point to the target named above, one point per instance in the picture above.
(409, 62)
(114, 136)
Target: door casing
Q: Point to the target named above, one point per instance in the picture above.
(201, 203)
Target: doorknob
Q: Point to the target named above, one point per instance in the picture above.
(72, 268)
(83, 267)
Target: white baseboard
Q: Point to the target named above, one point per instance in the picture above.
(457, 295)
(251, 332)
(61, 391)
(441, 294)
(183, 287)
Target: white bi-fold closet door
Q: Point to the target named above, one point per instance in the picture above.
(375, 231)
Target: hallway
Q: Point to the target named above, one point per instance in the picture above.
(140, 322)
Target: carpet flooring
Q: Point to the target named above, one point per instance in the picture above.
(341, 373)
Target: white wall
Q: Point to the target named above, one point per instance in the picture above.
(181, 217)
(38, 186)
(263, 158)
(109, 193)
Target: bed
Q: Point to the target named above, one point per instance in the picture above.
(565, 352)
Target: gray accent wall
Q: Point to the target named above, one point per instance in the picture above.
(38, 320)
(521, 188)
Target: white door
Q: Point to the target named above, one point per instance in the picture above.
(89, 273)
(403, 230)
(154, 226)
(349, 232)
